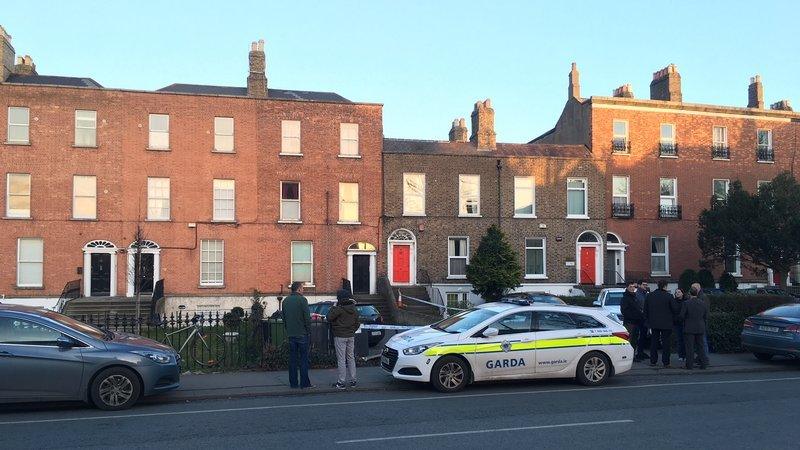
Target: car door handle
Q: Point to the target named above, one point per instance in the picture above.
(5, 354)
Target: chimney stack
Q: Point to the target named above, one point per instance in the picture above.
(458, 132)
(483, 125)
(666, 85)
(783, 105)
(257, 80)
(574, 83)
(25, 66)
(6, 55)
(755, 93)
(624, 91)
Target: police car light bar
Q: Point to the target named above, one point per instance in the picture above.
(516, 301)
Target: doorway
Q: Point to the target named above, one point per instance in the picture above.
(101, 275)
(100, 269)
(361, 274)
(361, 268)
(402, 258)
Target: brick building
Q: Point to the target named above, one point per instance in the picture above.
(666, 158)
(441, 196)
(234, 188)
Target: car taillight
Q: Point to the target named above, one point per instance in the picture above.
(793, 329)
(623, 335)
(747, 324)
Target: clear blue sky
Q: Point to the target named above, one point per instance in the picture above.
(426, 61)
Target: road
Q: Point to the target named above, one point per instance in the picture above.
(755, 410)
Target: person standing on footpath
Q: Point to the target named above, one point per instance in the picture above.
(297, 320)
(343, 318)
(697, 291)
(633, 320)
(694, 313)
(659, 315)
(677, 304)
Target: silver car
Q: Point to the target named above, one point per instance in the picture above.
(46, 356)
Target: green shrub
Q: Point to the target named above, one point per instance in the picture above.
(276, 357)
(728, 283)
(231, 320)
(706, 279)
(686, 279)
(728, 313)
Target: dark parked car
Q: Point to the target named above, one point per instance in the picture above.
(775, 331)
(769, 290)
(367, 314)
(535, 297)
(46, 356)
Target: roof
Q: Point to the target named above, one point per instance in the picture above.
(53, 80)
(424, 147)
(279, 94)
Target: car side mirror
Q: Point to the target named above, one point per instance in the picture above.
(596, 303)
(490, 332)
(64, 342)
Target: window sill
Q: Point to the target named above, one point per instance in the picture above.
(84, 219)
(24, 144)
(348, 223)
(578, 217)
(524, 216)
(291, 222)
(535, 277)
(765, 162)
(720, 159)
(628, 153)
(86, 146)
(211, 286)
(470, 215)
(456, 277)
(290, 154)
(17, 218)
(413, 215)
(736, 275)
(659, 274)
(668, 156)
(349, 156)
(224, 152)
(29, 288)
(151, 149)
(158, 220)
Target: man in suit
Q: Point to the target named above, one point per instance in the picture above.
(694, 313)
(633, 320)
(659, 315)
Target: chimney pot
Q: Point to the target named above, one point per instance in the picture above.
(257, 79)
(625, 91)
(483, 126)
(666, 85)
(783, 105)
(458, 132)
(755, 93)
(25, 66)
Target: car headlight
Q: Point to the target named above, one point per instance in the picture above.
(417, 349)
(161, 358)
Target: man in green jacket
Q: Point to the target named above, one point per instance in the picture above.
(297, 319)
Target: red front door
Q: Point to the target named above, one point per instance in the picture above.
(401, 263)
(587, 265)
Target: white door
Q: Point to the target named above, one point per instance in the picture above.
(510, 354)
(558, 342)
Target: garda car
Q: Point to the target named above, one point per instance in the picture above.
(511, 340)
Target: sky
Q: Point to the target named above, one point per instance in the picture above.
(427, 62)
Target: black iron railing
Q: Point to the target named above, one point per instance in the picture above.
(665, 149)
(669, 211)
(720, 152)
(765, 153)
(622, 210)
(620, 145)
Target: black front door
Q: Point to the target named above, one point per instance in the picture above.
(361, 274)
(146, 273)
(101, 275)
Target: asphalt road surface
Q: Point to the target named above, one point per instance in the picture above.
(756, 410)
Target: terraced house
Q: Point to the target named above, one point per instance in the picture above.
(666, 158)
(234, 188)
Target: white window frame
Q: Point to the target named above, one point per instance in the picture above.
(216, 282)
(152, 132)
(532, 189)
(727, 187)
(156, 199)
(661, 138)
(218, 210)
(342, 202)
(407, 195)
(92, 129)
(673, 198)
(9, 212)
(220, 135)
(665, 255)
(769, 137)
(760, 183)
(625, 137)
(585, 190)
(627, 189)
(75, 197)
(535, 276)
(451, 257)
(285, 200)
(346, 137)
(39, 262)
(737, 264)
(291, 131)
(462, 205)
(717, 142)
(293, 262)
(27, 126)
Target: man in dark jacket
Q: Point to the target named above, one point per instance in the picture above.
(659, 315)
(297, 320)
(633, 320)
(694, 313)
(343, 318)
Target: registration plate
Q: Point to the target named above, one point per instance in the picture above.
(384, 360)
(770, 329)
(375, 333)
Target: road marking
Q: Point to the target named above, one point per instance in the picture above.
(495, 430)
(394, 400)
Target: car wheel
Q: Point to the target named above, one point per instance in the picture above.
(450, 374)
(763, 356)
(115, 388)
(594, 369)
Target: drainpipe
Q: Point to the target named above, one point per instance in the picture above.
(499, 194)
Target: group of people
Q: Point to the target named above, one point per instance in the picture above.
(343, 318)
(662, 313)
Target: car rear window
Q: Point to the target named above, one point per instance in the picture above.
(367, 310)
(792, 311)
(548, 299)
(583, 321)
(613, 298)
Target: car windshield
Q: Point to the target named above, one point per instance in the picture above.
(76, 325)
(792, 311)
(319, 308)
(465, 320)
(367, 310)
(613, 298)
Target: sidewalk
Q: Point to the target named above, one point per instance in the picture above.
(259, 383)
